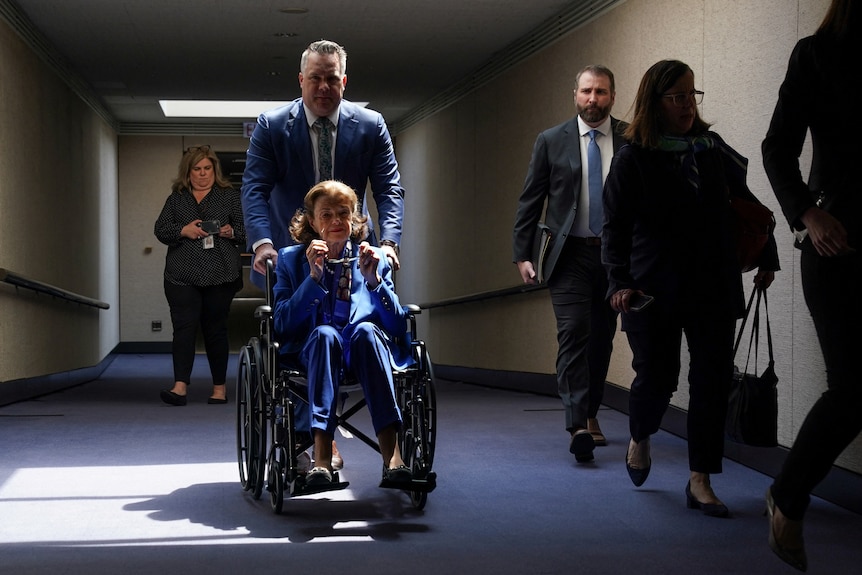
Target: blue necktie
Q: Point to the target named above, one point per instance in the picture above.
(594, 180)
(324, 148)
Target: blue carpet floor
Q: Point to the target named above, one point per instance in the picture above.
(104, 478)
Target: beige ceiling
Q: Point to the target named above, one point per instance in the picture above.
(402, 53)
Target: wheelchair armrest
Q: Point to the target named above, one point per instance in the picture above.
(262, 312)
(412, 308)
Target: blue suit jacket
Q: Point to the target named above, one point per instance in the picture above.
(298, 298)
(279, 170)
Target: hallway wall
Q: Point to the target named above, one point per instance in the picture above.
(58, 219)
(464, 169)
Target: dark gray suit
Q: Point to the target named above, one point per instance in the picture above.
(577, 280)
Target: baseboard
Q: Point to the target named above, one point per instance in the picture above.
(143, 347)
(841, 486)
(32, 387)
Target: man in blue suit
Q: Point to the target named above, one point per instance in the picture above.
(564, 175)
(284, 159)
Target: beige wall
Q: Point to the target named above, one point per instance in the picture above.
(464, 167)
(58, 215)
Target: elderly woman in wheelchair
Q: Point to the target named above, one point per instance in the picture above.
(336, 315)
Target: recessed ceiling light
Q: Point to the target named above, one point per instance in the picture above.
(293, 10)
(216, 108)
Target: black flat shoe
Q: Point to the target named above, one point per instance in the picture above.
(217, 400)
(638, 475)
(397, 478)
(582, 445)
(172, 398)
(710, 509)
(794, 556)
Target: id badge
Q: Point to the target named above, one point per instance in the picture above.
(209, 242)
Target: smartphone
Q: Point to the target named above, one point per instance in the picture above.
(638, 301)
(211, 226)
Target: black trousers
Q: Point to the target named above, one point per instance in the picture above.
(830, 286)
(656, 361)
(208, 307)
(585, 331)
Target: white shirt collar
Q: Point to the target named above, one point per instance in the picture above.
(311, 118)
(604, 128)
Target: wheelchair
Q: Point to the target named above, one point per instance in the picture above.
(269, 447)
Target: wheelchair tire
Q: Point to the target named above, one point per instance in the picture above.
(251, 420)
(275, 479)
(418, 436)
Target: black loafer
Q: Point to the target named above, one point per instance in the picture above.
(217, 400)
(172, 398)
(582, 445)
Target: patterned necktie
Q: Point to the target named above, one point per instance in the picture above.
(324, 148)
(594, 180)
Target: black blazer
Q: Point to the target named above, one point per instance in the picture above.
(674, 243)
(817, 67)
(554, 175)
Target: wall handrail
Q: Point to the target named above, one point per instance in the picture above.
(485, 295)
(41, 287)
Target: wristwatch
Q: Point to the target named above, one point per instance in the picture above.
(391, 244)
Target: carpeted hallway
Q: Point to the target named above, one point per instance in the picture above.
(104, 478)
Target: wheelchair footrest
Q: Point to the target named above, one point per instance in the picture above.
(300, 487)
(425, 484)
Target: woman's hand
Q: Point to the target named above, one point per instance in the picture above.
(226, 231)
(620, 299)
(827, 234)
(763, 279)
(368, 261)
(316, 253)
(193, 231)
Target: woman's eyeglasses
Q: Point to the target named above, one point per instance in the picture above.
(342, 261)
(681, 99)
(206, 148)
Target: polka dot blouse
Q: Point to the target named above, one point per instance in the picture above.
(188, 262)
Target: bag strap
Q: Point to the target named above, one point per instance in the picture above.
(744, 321)
(754, 339)
(768, 329)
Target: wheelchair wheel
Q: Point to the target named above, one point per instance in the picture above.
(251, 420)
(418, 436)
(275, 479)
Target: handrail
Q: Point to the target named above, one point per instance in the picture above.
(20, 281)
(485, 295)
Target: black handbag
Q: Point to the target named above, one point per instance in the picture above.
(752, 412)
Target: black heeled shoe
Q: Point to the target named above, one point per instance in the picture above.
(172, 398)
(795, 556)
(638, 475)
(710, 509)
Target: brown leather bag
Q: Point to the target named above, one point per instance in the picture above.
(753, 224)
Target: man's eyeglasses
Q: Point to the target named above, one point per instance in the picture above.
(680, 99)
(198, 148)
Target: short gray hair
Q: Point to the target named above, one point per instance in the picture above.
(325, 47)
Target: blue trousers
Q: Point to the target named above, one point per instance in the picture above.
(327, 358)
